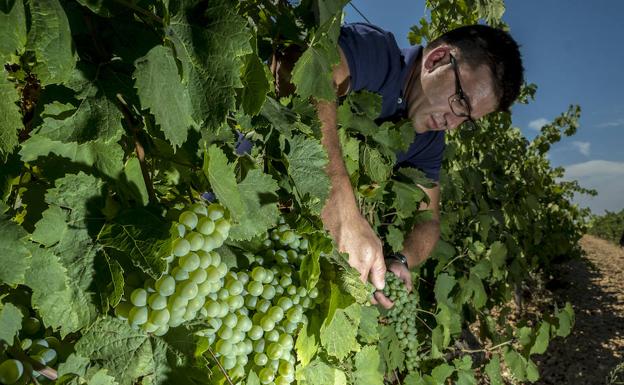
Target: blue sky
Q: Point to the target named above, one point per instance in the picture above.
(573, 51)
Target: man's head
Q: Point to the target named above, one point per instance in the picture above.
(465, 74)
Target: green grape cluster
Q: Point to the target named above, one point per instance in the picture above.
(195, 270)
(253, 319)
(402, 316)
(34, 343)
(284, 245)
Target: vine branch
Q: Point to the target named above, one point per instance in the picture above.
(220, 366)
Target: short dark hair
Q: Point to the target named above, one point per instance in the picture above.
(482, 44)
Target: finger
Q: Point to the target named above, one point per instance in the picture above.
(378, 272)
(383, 300)
(409, 285)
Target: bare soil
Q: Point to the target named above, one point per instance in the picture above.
(594, 285)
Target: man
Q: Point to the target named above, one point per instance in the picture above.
(459, 77)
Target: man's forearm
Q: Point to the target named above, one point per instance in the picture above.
(421, 241)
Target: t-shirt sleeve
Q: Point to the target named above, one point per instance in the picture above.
(371, 54)
(425, 153)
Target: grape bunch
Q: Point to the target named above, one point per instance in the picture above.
(285, 246)
(195, 270)
(402, 316)
(254, 316)
(34, 343)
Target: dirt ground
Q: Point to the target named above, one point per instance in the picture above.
(595, 287)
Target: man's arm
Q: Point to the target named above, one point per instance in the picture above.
(341, 215)
(424, 236)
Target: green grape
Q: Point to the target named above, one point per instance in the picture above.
(190, 314)
(196, 240)
(122, 310)
(260, 359)
(162, 330)
(266, 375)
(258, 274)
(181, 247)
(274, 350)
(179, 274)
(276, 313)
(213, 308)
(225, 332)
(255, 288)
(238, 371)
(196, 303)
(25, 344)
(285, 282)
(212, 274)
(159, 317)
(286, 341)
(228, 362)
(244, 324)
(230, 320)
(48, 355)
(251, 301)
(271, 336)
(10, 371)
(259, 345)
(294, 314)
(189, 262)
(303, 245)
(267, 324)
(216, 258)
(263, 305)
(236, 302)
(215, 211)
(290, 327)
(188, 219)
(206, 226)
(268, 292)
(157, 301)
(255, 333)
(205, 258)
(138, 315)
(223, 347)
(198, 276)
(149, 327)
(176, 301)
(139, 297)
(31, 325)
(211, 242)
(222, 269)
(188, 289)
(287, 237)
(313, 294)
(223, 294)
(165, 285)
(285, 303)
(281, 380)
(199, 209)
(235, 287)
(268, 276)
(286, 369)
(291, 290)
(222, 226)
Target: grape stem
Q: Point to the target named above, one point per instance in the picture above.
(487, 349)
(44, 370)
(220, 366)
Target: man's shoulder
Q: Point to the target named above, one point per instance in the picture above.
(372, 35)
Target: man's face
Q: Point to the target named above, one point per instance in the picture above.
(429, 108)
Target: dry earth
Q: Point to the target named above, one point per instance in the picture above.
(594, 285)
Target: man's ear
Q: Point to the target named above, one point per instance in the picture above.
(437, 57)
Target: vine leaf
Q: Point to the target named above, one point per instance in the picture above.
(10, 117)
(51, 41)
(210, 63)
(222, 179)
(10, 322)
(367, 363)
(306, 166)
(320, 373)
(15, 255)
(160, 90)
(12, 29)
(338, 336)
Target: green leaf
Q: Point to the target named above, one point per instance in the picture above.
(10, 116)
(369, 324)
(375, 166)
(476, 290)
(307, 343)
(255, 85)
(128, 354)
(141, 235)
(319, 373)
(566, 320)
(516, 363)
(74, 364)
(306, 166)
(497, 255)
(493, 370)
(15, 255)
(532, 371)
(338, 337)
(51, 227)
(441, 372)
(443, 287)
(252, 379)
(12, 29)
(391, 352)
(395, 239)
(312, 74)
(367, 364)
(50, 39)
(541, 339)
(136, 182)
(222, 179)
(101, 377)
(258, 192)
(10, 322)
(160, 90)
(408, 198)
(210, 43)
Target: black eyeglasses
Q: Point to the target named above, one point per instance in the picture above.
(458, 102)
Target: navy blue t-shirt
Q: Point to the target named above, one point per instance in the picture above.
(378, 65)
